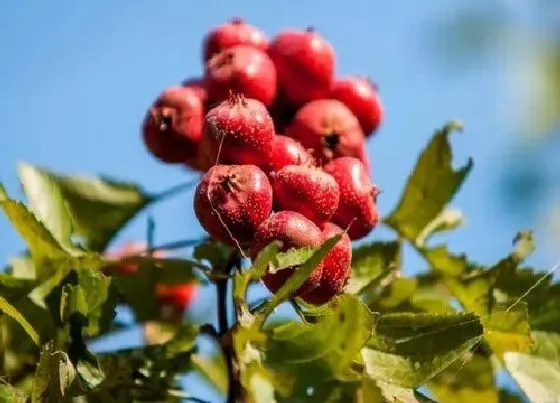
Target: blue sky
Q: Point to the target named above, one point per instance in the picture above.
(77, 77)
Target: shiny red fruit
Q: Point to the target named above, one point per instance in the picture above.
(238, 131)
(294, 231)
(305, 64)
(329, 128)
(357, 208)
(362, 98)
(231, 201)
(197, 84)
(244, 70)
(336, 267)
(287, 151)
(172, 127)
(307, 190)
(232, 33)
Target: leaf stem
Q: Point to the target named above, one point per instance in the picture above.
(176, 189)
(223, 326)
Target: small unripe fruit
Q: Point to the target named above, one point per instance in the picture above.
(231, 201)
(357, 207)
(172, 127)
(329, 128)
(241, 69)
(305, 63)
(294, 231)
(232, 33)
(336, 267)
(239, 131)
(287, 151)
(307, 190)
(174, 299)
(362, 98)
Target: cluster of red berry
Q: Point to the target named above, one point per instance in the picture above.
(282, 145)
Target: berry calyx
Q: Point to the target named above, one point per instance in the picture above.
(307, 190)
(329, 128)
(287, 151)
(232, 33)
(357, 208)
(362, 98)
(238, 131)
(172, 127)
(305, 63)
(336, 267)
(294, 231)
(231, 201)
(241, 69)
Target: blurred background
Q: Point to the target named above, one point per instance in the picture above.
(77, 77)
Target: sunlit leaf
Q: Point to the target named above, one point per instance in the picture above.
(213, 369)
(7, 309)
(431, 186)
(447, 220)
(53, 376)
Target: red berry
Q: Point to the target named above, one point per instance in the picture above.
(231, 201)
(336, 267)
(239, 131)
(361, 97)
(128, 249)
(198, 85)
(294, 231)
(287, 151)
(305, 63)
(307, 190)
(172, 127)
(174, 299)
(232, 33)
(357, 207)
(329, 128)
(241, 69)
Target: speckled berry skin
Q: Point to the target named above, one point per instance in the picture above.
(305, 63)
(287, 151)
(362, 98)
(357, 207)
(231, 201)
(238, 131)
(307, 190)
(329, 128)
(294, 231)
(232, 33)
(172, 127)
(242, 69)
(336, 267)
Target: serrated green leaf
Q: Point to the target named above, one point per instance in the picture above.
(408, 350)
(385, 392)
(538, 373)
(99, 207)
(370, 263)
(335, 339)
(300, 275)
(507, 329)
(12, 287)
(22, 267)
(53, 376)
(8, 309)
(290, 258)
(446, 220)
(216, 253)
(9, 394)
(432, 184)
(464, 382)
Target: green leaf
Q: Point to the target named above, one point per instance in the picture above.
(46, 201)
(382, 392)
(408, 350)
(99, 207)
(53, 376)
(12, 287)
(9, 394)
(507, 329)
(538, 373)
(8, 309)
(335, 339)
(447, 220)
(290, 258)
(466, 382)
(300, 275)
(372, 262)
(22, 267)
(432, 185)
(214, 252)
(213, 369)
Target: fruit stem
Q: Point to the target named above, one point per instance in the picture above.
(234, 389)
